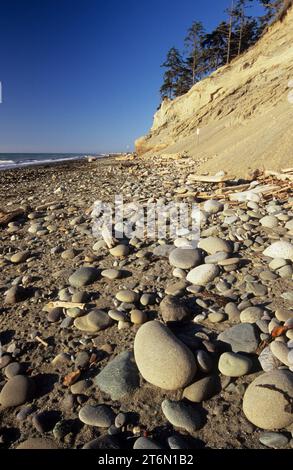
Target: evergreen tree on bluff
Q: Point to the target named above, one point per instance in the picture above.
(193, 44)
(272, 7)
(177, 79)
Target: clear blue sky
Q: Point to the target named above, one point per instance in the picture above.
(84, 75)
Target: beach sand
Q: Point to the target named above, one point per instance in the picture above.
(55, 233)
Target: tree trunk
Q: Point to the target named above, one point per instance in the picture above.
(241, 32)
(230, 32)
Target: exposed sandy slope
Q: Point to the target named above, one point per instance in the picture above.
(243, 111)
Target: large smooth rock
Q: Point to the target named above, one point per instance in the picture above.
(38, 443)
(20, 257)
(182, 415)
(127, 296)
(212, 245)
(203, 389)
(267, 360)
(280, 351)
(269, 221)
(120, 376)
(241, 338)
(213, 206)
(120, 251)
(251, 314)
(94, 321)
(17, 391)
(144, 443)
(267, 402)
(103, 442)
(174, 309)
(111, 274)
(202, 275)
(83, 276)
(273, 440)
(101, 416)
(280, 249)
(161, 358)
(234, 365)
(16, 294)
(185, 258)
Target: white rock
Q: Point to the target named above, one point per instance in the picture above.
(289, 225)
(280, 249)
(234, 365)
(269, 221)
(185, 258)
(280, 351)
(203, 274)
(212, 206)
(214, 244)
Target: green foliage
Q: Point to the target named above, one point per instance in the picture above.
(207, 51)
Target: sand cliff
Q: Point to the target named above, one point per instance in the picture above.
(243, 110)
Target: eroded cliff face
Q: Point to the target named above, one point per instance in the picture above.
(243, 110)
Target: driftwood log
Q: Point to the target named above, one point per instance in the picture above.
(6, 217)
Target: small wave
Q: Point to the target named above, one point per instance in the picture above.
(8, 164)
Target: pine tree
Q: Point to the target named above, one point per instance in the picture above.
(193, 44)
(247, 30)
(272, 7)
(176, 77)
(231, 12)
(216, 46)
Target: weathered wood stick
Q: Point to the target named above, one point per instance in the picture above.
(60, 304)
(239, 187)
(7, 217)
(40, 340)
(46, 205)
(279, 176)
(210, 179)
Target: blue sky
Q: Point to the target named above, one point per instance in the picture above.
(84, 75)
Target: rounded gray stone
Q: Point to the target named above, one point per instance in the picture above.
(17, 391)
(241, 338)
(185, 258)
(100, 416)
(144, 443)
(94, 321)
(251, 314)
(161, 358)
(120, 377)
(273, 440)
(174, 309)
(203, 389)
(83, 276)
(182, 415)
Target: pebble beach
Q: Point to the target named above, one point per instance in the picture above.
(140, 343)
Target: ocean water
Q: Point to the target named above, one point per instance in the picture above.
(16, 160)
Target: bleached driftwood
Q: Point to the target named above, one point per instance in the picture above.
(279, 176)
(46, 205)
(210, 179)
(60, 304)
(254, 193)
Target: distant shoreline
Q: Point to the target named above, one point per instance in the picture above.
(48, 162)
